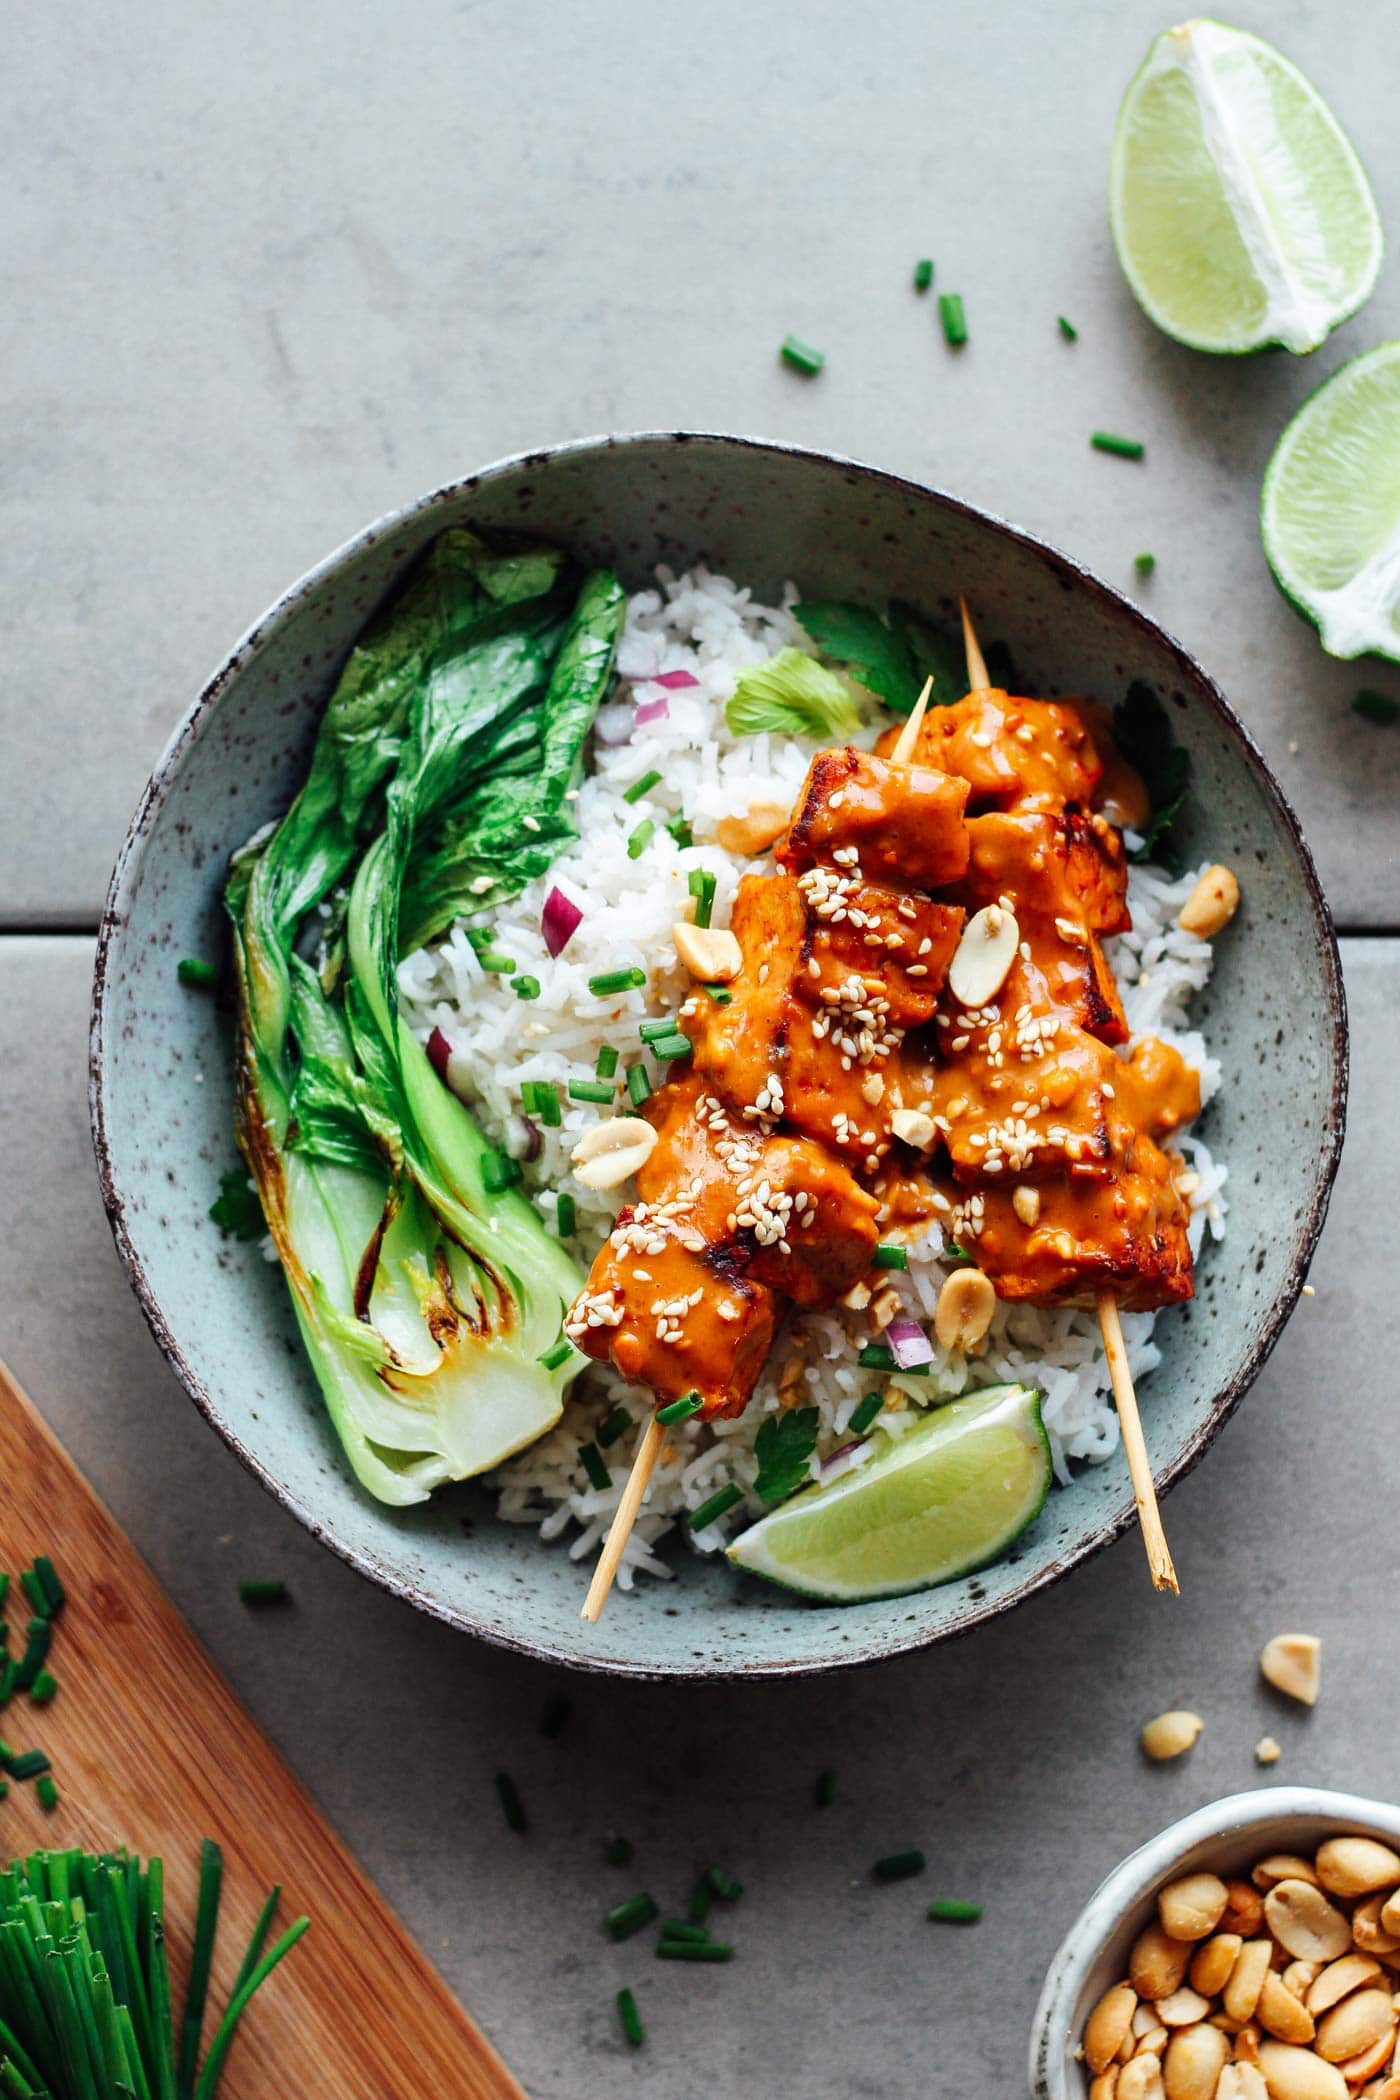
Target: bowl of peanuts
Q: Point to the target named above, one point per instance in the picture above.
(1249, 1952)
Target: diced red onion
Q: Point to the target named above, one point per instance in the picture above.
(909, 1342)
(841, 1451)
(674, 681)
(439, 1054)
(530, 1136)
(559, 921)
(652, 711)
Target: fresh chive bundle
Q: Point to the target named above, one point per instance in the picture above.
(630, 1915)
(954, 320)
(702, 885)
(709, 1512)
(899, 1866)
(801, 356)
(923, 273)
(864, 1413)
(641, 787)
(258, 1593)
(950, 1910)
(678, 1410)
(887, 1256)
(1120, 447)
(88, 2011)
(193, 970)
(607, 982)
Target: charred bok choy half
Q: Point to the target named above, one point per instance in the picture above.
(430, 1305)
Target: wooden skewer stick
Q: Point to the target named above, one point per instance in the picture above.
(649, 1449)
(1159, 1559)
(620, 1530)
(909, 734)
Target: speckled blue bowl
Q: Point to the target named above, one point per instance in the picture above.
(161, 1077)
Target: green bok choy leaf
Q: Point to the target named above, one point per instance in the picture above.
(424, 1299)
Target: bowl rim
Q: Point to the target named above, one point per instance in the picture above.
(126, 874)
(1126, 1884)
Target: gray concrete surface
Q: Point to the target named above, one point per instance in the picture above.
(268, 276)
(1010, 1758)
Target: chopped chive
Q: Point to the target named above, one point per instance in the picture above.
(52, 1587)
(801, 356)
(681, 1929)
(7, 1678)
(499, 1171)
(1374, 706)
(724, 1885)
(590, 1090)
(649, 1031)
(525, 987)
(702, 888)
(679, 1410)
(28, 1765)
(4, 1788)
(667, 1048)
(193, 970)
(613, 1426)
(1067, 329)
(720, 993)
(478, 938)
(609, 981)
(555, 1718)
(890, 1257)
(701, 1897)
(630, 2019)
(951, 1911)
(638, 1085)
(825, 1789)
(545, 1096)
(899, 1866)
(36, 1654)
(630, 1915)
(640, 839)
(594, 1466)
(34, 1590)
(680, 832)
(556, 1354)
(512, 1808)
(256, 1593)
(923, 273)
(607, 1062)
(1120, 447)
(4, 1589)
(693, 1950)
(527, 1096)
(565, 1214)
(1144, 563)
(864, 1413)
(43, 1688)
(950, 313)
(724, 1499)
(640, 787)
(878, 1356)
(497, 965)
(953, 1252)
(48, 1794)
(619, 1852)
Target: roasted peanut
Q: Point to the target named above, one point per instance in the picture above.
(1105, 2086)
(1356, 2024)
(1296, 2074)
(1025, 1201)
(1239, 2082)
(984, 955)
(1356, 1866)
(1184, 2008)
(612, 1151)
(1192, 1907)
(1283, 1866)
(1241, 1993)
(1170, 1734)
(1108, 2024)
(710, 953)
(1211, 905)
(1297, 1976)
(964, 1309)
(1302, 1920)
(1141, 2080)
(1212, 1963)
(1338, 1979)
(1244, 1910)
(1390, 1913)
(1195, 2058)
(1357, 2069)
(761, 825)
(1157, 1964)
(912, 1127)
(1369, 1930)
(1281, 2013)
(1292, 1663)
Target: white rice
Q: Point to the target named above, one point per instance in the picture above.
(703, 624)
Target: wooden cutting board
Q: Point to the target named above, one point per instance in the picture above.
(151, 1749)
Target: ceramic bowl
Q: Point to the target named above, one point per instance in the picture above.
(1226, 1838)
(762, 512)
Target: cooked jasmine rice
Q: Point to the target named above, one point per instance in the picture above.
(630, 899)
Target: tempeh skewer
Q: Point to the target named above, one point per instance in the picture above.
(1154, 1539)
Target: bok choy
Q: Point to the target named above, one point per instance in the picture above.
(425, 1299)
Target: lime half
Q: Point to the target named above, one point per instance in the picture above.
(1330, 512)
(945, 1498)
(1240, 211)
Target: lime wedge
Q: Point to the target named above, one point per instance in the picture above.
(945, 1498)
(1330, 511)
(1240, 211)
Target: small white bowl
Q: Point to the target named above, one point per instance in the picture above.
(1225, 1837)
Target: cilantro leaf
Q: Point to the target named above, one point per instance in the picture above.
(936, 652)
(1143, 734)
(782, 1447)
(876, 656)
(792, 695)
(238, 1211)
